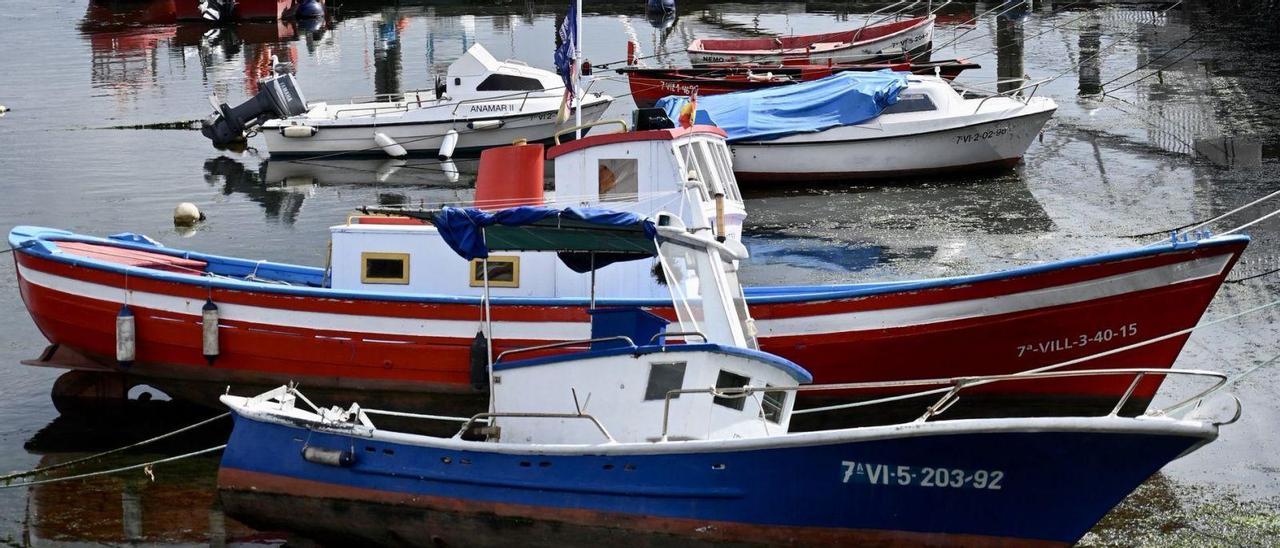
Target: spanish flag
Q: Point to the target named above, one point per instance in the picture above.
(689, 113)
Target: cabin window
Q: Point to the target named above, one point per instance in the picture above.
(507, 82)
(720, 153)
(663, 378)
(731, 380)
(771, 405)
(504, 271)
(691, 164)
(384, 268)
(915, 102)
(619, 179)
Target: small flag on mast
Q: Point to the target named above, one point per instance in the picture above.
(564, 59)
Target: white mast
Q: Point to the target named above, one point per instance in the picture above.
(577, 70)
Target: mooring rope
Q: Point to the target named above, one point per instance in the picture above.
(146, 465)
(44, 469)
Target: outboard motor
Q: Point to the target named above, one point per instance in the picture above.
(278, 97)
(310, 9)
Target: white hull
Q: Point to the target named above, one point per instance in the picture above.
(357, 135)
(875, 149)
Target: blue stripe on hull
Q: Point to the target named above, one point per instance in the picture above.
(1051, 486)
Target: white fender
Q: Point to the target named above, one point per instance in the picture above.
(298, 132)
(126, 336)
(447, 145)
(481, 125)
(450, 170)
(388, 145)
(209, 330)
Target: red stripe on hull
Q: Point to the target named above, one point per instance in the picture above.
(382, 517)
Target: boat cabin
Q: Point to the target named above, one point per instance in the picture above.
(618, 386)
(685, 171)
(477, 73)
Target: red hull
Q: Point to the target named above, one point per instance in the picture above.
(269, 337)
(648, 85)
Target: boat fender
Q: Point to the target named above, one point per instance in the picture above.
(388, 145)
(3, 109)
(187, 214)
(479, 362)
(481, 125)
(209, 330)
(448, 144)
(328, 457)
(310, 9)
(297, 132)
(126, 337)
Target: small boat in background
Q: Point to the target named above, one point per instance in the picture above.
(910, 38)
(636, 439)
(871, 125)
(649, 84)
(481, 103)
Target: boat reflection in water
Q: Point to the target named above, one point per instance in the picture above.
(178, 507)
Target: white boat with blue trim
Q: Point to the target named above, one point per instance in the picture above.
(635, 439)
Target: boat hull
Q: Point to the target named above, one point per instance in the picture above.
(914, 42)
(856, 152)
(426, 137)
(648, 85)
(839, 487)
(399, 346)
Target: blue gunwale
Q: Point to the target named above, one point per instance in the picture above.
(42, 242)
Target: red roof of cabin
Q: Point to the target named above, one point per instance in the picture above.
(627, 136)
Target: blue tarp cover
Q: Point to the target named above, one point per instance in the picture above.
(612, 235)
(838, 100)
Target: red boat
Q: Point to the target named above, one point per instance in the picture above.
(910, 37)
(650, 84)
(397, 315)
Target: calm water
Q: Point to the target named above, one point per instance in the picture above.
(1195, 140)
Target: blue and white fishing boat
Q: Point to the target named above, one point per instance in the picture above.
(637, 437)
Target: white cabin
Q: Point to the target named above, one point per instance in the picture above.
(676, 170)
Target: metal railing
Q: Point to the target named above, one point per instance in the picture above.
(563, 344)
(957, 384)
(478, 417)
(621, 122)
(1014, 94)
(680, 334)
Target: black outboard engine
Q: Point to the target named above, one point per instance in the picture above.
(278, 97)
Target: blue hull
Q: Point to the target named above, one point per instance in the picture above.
(968, 483)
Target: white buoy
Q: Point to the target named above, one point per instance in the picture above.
(388, 145)
(447, 145)
(187, 214)
(450, 170)
(3, 109)
(126, 335)
(209, 330)
(298, 132)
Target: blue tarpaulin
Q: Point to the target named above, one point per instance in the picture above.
(586, 237)
(838, 100)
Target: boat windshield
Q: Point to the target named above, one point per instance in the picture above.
(700, 292)
(710, 161)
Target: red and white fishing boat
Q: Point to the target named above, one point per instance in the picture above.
(649, 84)
(908, 37)
(398, 314)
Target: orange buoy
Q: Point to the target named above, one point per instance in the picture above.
(510, 176)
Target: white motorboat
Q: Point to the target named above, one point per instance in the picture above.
(930, 128)
(481, 103)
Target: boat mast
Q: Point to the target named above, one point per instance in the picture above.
(577, 69)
